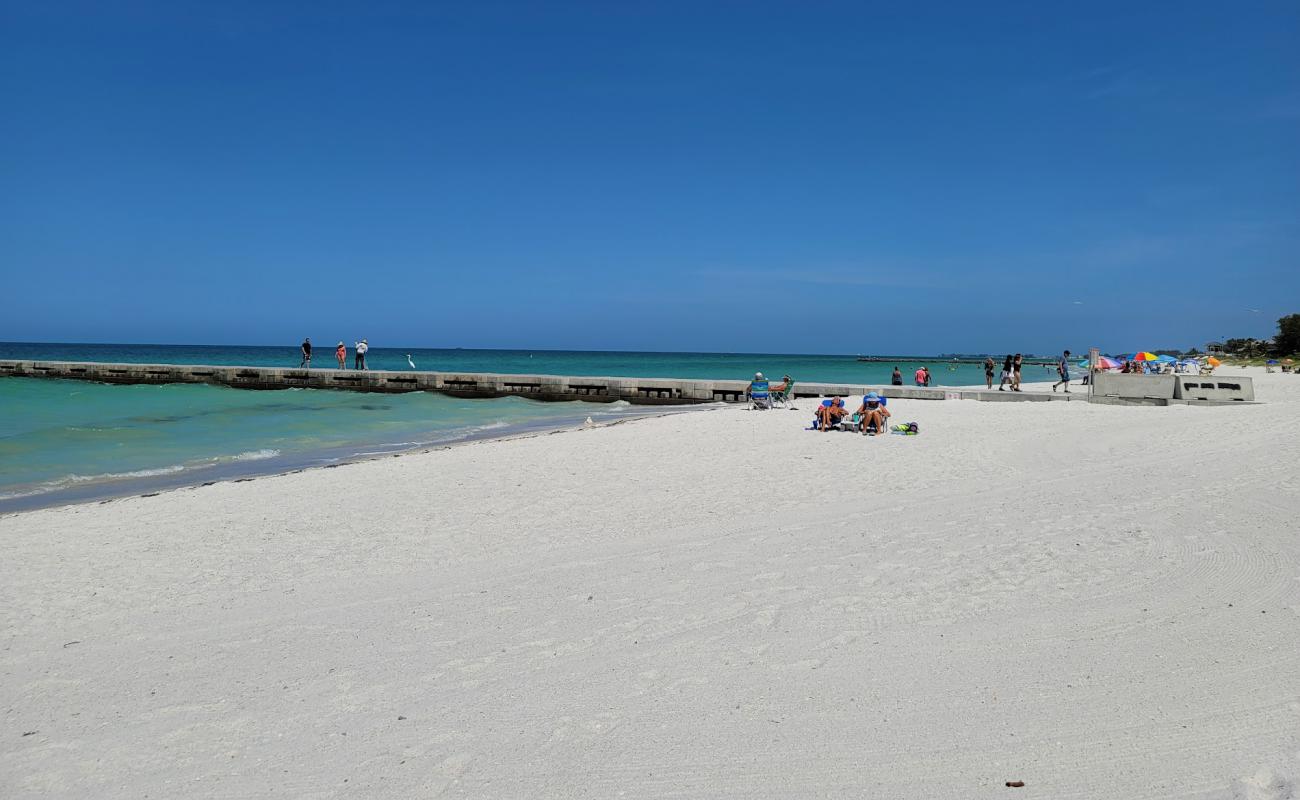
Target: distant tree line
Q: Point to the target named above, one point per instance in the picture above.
(1285, 343)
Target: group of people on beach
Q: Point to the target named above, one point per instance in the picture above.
(1011, 368)
(871, 416)
(921, 376)
(340, 353)
(1013, 365)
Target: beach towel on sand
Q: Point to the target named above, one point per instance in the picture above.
(906, 429)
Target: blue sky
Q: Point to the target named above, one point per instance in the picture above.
(787, 177)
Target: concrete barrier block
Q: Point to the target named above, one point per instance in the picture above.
(1117, 384)
(1215, 387)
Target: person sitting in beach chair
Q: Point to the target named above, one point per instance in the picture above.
(759, 392)
(872, 418)
(781, 393)
(829, 414)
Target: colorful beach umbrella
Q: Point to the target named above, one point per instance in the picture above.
(1103, 362)
(1165, 359)
(1271, 361)
(1143, 355)
(1214, 362)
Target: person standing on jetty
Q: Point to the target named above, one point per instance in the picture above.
(1016, 366)
(306, 353)
(341, 353)
(1063, 369)
(897, 378)
(989, 364)
(1007, 366)
(361, 348)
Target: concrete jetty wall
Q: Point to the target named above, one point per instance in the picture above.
(644, 391)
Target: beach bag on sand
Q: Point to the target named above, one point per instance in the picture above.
(906, 429)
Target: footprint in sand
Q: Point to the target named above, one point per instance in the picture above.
(1266, 784)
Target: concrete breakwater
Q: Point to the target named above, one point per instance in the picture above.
(643, 391)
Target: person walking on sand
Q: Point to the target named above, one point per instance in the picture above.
(306, 353)
(989, 365)
(1063, 369)
(362, 347)
(1007, 366)
(897, 378)
(341, 353)
(1016, 366)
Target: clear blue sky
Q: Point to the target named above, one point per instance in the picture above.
(794, 177)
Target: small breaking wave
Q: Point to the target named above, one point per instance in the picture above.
(114, 476)
(76, 480)
(250, 455)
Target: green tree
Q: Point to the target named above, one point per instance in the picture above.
(1287, 340)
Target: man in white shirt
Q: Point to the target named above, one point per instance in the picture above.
(362, 348)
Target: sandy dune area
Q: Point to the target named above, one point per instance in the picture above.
(1098, 601)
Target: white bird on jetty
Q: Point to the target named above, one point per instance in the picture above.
(409, 361)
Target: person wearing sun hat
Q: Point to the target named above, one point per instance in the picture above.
(759, 391)
(873, 414)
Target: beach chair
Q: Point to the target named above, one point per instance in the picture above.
(858, 421)
(784, 396)
(817, 424)
(759, 395)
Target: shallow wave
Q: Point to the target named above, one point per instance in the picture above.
(111, 476)
(77, 479)
(249, 455)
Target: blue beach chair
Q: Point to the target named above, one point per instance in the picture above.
(817, 424)
(857, 422)
(759, 393)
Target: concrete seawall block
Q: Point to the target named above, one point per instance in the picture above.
(1111, 384)
(1215, 387)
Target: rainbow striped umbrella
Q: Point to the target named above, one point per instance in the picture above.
(1103, 362)
(1144, 356)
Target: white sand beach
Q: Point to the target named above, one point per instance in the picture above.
(1098, 601)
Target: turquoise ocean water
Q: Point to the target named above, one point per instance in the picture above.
(71, 440)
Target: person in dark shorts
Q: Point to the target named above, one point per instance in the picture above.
(306, 353)
(1015, 377)
(988, 371)
(897, 378)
